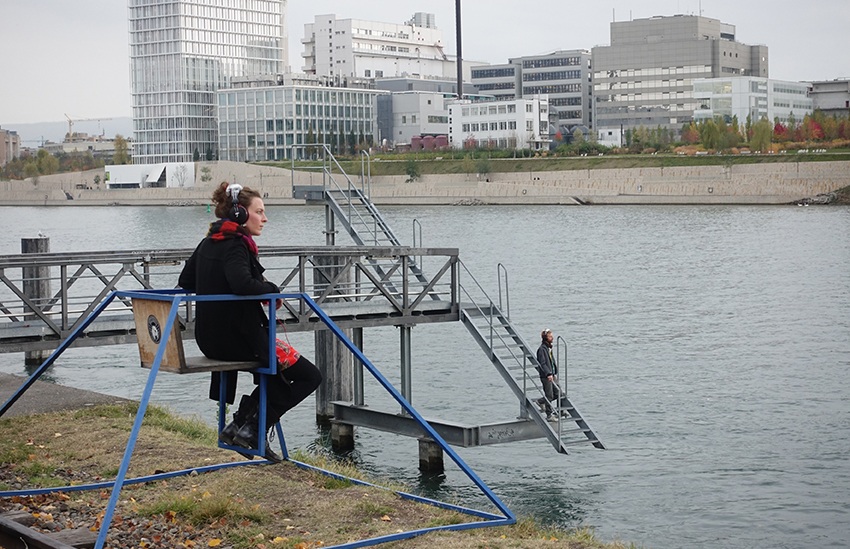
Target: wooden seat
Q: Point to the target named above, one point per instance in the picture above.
(150, 316)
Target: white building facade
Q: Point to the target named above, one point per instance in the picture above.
(518, 124)
(751, 96)
(373, 49)
(275, 122)
(181, 52)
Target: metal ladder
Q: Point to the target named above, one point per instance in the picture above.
(516, 362)
(511, 355)
(362, 221)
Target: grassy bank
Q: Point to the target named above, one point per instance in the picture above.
(444, 163)
(244, 507)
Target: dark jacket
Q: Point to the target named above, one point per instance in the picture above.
(546, 362)
(228, 330)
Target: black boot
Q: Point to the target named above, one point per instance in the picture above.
(248, 434)
(247, 408)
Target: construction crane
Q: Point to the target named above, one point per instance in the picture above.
(71, 123)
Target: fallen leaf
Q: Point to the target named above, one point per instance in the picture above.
(290, 528)
(386, 518)
(245, 523)
(57, 435)
(215, 542)
(170, 516)
(279, 540)
(206, 495)
(29, 442)
(32, 457)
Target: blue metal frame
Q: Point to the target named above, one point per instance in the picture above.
(176, 297)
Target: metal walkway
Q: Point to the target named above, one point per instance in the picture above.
(510, 354)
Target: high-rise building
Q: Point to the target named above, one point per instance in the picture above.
(372, 49)
(181, 53)
(645, 77)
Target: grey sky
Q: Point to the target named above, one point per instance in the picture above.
(71, 56)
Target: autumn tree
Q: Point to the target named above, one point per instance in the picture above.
(709, 134)
(690, 134)
(762, 132)
(46, 162)
(121, 155)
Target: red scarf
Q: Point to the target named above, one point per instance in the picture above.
(224, 229)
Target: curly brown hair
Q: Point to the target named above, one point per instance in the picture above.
(224, 202)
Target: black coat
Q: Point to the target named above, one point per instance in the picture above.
(228, 330)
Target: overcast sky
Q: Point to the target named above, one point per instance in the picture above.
(71, 56)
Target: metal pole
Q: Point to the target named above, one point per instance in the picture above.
(459, 54)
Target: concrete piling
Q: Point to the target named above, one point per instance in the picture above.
(36, 286)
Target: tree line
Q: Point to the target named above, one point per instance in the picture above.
(28, 166)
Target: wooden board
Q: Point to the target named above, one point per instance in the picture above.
(150, 316)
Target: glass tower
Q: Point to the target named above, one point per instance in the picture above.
(181, 52)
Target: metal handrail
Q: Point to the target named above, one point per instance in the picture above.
(563, 364)
(525, 362)
(416, 223)
(499, 269)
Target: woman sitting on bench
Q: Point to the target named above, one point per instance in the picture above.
(225, 262)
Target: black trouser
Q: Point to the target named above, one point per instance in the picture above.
(552, 392)
(288, 388)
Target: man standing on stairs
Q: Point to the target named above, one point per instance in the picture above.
(548, 370)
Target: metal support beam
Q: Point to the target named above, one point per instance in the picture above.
(456, 434)
(406, 363)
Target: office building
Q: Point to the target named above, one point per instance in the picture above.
(10, 146)
(416, 107)
(743, 96)
(563, 76)
(518, 124)
(832, 97)
(645, 77)
(275, 119)
(372, 49)
(181, 53)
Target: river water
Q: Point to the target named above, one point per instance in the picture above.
(709, 348)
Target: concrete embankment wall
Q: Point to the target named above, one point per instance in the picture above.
(773, 183)
(746, 184)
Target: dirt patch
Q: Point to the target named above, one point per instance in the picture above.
(260, 506)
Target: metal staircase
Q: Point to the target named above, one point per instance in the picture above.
(511, 355)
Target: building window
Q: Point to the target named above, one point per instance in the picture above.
(367, 73)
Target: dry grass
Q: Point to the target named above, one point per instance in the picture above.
(262, 506)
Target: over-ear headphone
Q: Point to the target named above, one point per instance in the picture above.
(238, 213)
